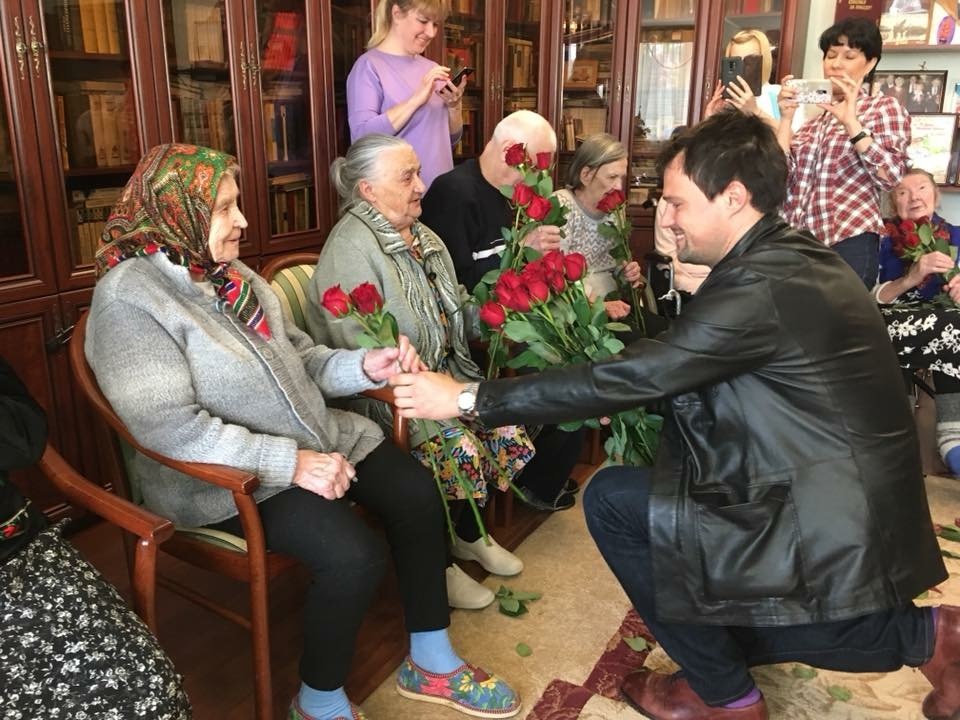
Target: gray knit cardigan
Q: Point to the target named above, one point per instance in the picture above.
(192, 382)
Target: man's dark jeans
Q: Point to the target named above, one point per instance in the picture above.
(862, 253)
(715, 658)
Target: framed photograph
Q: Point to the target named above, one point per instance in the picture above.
(905, 22)
(932, 143)
(582, 74)
(918, 91)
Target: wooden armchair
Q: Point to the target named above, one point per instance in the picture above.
(289, 276)
(148, 530)
(254, 565)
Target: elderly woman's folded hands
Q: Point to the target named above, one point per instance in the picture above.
(326, 474)
(381, 363)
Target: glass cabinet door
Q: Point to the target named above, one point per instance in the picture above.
(763, 15)
(464, 46)
(14, 247)
(521, 55)
(197, 61)
(288, 132)
(351, 30)
(665, 71)
(588, 36)
(96, 120)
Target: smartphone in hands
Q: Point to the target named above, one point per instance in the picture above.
(811, 91)
(460, 74)
(749, 67)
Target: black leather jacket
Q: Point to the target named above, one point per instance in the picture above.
(788, 487)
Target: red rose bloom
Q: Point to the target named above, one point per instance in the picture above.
(522, 194)
(544, 160)
(534, 270)
(515, 155)
(538, 208)
(574, 266)
(509, 279)
(335, 301)
(493, 314)
(912, 240)
(518, 300)
(366, 297)
(553, 260)
(908, 225)
(539, 290)
(556, 280)
(611, 201)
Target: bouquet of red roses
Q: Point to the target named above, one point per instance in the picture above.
(913, 239)
(365, 305)
(617, 227)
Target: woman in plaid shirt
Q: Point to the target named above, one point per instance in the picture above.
(842, 161)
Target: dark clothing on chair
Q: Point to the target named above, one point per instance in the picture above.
(786, 443)
(862, 253)
(23, 435)
(715, 659)
(348, 559)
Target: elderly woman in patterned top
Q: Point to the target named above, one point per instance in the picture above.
(379, 240)
(195, 354)
(599, 165)
(925, 333)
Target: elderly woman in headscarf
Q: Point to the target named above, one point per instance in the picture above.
(380, 240)
(194, 353)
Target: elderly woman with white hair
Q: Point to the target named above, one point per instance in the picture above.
(380, 240)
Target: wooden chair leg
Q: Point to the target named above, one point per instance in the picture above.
(260, 636)
(145, 582)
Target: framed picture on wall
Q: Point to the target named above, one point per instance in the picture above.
(918, 91)
(905, 22)
(582, 74)
(932, 143)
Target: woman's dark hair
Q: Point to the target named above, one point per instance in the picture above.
(728, 146)
(861, 34)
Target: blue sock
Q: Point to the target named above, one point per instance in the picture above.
(324, 704)
(432, 651)
(952, 460)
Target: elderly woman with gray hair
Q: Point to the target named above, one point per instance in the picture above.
(379, 240)
(599, 165)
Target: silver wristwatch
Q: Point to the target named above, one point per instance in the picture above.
(467, 400)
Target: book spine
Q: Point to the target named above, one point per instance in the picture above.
(113, 31)
(100, 26)
(88, 25)
(99, 137)
(62, 132)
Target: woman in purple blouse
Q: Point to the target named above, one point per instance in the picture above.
(394, 90)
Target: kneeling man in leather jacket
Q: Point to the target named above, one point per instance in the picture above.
(785, 518)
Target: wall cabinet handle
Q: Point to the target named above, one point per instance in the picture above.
(243, 66)
(36, 47)
(19, 46)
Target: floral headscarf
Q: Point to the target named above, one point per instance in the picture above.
(166, 207)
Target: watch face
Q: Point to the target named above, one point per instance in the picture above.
(466, 401)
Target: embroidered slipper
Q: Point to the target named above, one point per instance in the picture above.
(468, 689)
(297, 713)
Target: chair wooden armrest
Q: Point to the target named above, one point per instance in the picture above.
(230, 478)
(123, 513)
(400, 437)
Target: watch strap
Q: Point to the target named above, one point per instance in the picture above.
(859, 136)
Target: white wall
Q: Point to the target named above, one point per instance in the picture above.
(821, 17)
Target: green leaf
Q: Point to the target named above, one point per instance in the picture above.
(510, 605)
(523, 650)
(950, 532)
(528, 358)
(367, 342)
(612, 345)
(617, 327)
(525, 596)
(803, 672)
(520, 331)
(531, 178)
(504, 591)
(545, 186)
(637, 644)
(507, 191)
(947, 553)
(839, 693)
(389, 332)
(573, 425)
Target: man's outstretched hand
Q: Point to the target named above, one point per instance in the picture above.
(426, 395)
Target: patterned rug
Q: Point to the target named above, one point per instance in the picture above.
(793, 691)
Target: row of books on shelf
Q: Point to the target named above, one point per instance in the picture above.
(752, 7)
(96, 124)
(91, 210)
(195, 36)
(527, 11)
(465, 55)
(89, 26)
(520, 72)
(668, 9)
(284, 121)
(291, 203)
(283, 42)
(580, 123)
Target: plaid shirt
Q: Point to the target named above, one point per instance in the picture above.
(834, 191)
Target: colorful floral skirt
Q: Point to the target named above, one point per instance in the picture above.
(925, 335)
(71, 648)
(483, 456)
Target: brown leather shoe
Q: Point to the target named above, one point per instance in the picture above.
(943, 669)
(670, 697)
